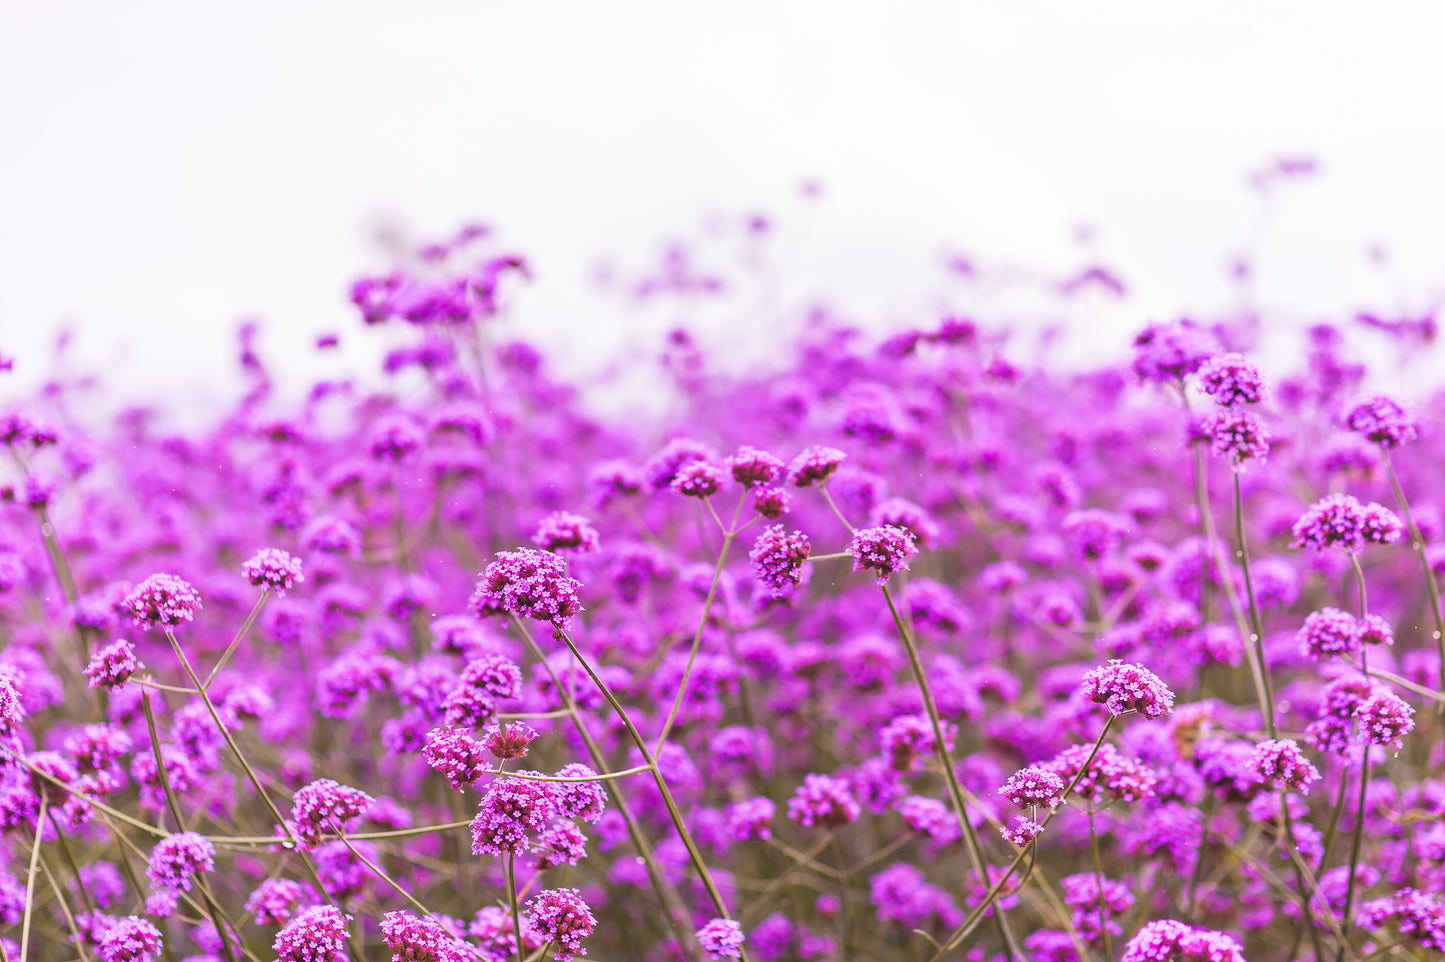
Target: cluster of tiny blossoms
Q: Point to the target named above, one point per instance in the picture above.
(903, 650)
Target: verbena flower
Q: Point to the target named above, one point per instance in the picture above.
(314, 935)
(1034, 786)
(884, 550)
(699, 480)
(721, 939)
(456, 754)
(111, 666)
(176, 858)
(564, 531)
(131, 939)
(752, 467)
(824, 801)
(1128, 688)
(530, 583)
(1279, 764)
(1342, 522)
(814, 465)
(511, 812)
(777, 559)
(561, 916)
(1231, 380)
(584, 800)
(273, 569)
(1384, 719)
(414, 939)
(162, 601)
(1238, 435)
(1380, 419)
(1329, 631)
(324, 806)
(1165, 940)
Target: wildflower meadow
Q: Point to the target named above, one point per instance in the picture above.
(903, 650)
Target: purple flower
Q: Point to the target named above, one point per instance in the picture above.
(1128, 688)
(413, 939)
(1380, 419)
(456, 754)
(777, 559)
(585, 800)
(752, 467)
(885, 550)
(1342, 522)
(770, 503)
(530, 583)
(560, 915)
(275, 900)
(664, 466)
(562, 844)
(162, 600)
(512, 810)
(909, 738)
(814, 465)
(110, 667)
(721, 939)
(1028, 787)
(1329, 631)
(699, 480)
(1170, 352)
(1385, 719)
(564, 531)
(324, 806)
(1375, 630)
(273, 569)
(1279, 764)
(1021, 831)
(12, 707)
(395, 438)
(176, 858)
(131, 939)
(1238, 435)
(1231, 380)
(823, 800)
(751, 818)
(1419, 915)
(1093, 533)
(1111, 777)
(1165, 940)
(510, 740)
(314, 935)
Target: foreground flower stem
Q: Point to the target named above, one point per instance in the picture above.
(1355, 839)
(650, 761)
(1264, 692)
(667, 896)
(945, 757)
(729, 534)
(240, 635)
(509, 868)
(1418, 541)
(30, 883)
(245, 766)
(970, 923)
(1099, 881)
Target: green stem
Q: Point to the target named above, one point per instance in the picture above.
(30, 883)
(240, 634)
(509, 869)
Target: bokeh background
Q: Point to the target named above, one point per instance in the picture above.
(170, 169)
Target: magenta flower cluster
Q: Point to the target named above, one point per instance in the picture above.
(953, 655)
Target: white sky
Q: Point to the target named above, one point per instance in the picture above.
(169, 168)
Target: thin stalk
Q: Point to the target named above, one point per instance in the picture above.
(1099, 882)
(165, 779)
(1357, 837)
(64, 908)
(667, 896)
(728, 535)
(677, 820)
(509, 867)
(240, 634)
(1263, 686)
(970, 923)
(1418, 541)
(30, 883)
(945, 757)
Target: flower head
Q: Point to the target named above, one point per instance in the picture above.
(823, 800)
(885, 550)
(564, 531)
(1385, 719)
(1279, 764)
(273, 569)
(131, 939)
(1238, 435)
(752, 467)
(721, 939)
(1127, 688)
(699, 479)
(585, 800)
(1170, 352)
(513, 810)
(1165, 940)
(531, 583)
(561, 916)
(315, 935)
(1231, 380)
(113, 665)
(1329, 631)
(176, 858)
(814, 466)
(414, 939)
(1342, 522)
(777, 558)
(325, 806)
(1380, 419)
(1034, 786)
(162, 600)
